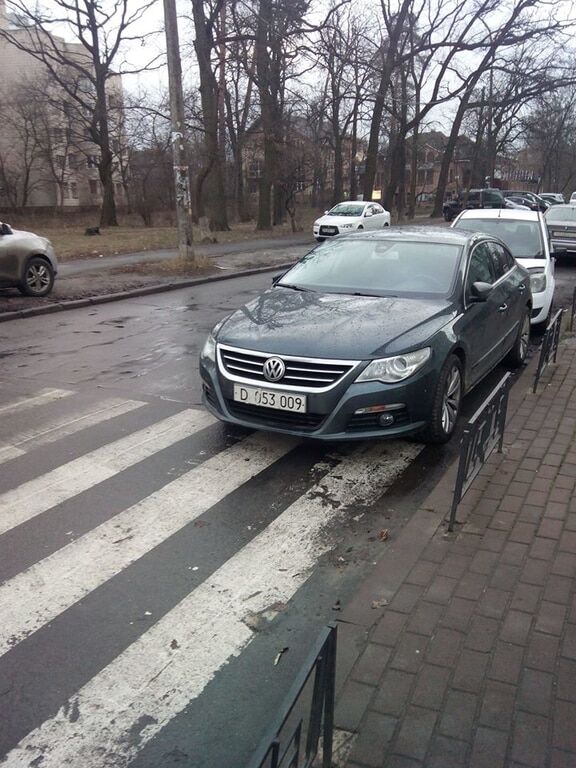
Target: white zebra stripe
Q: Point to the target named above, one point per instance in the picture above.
(42, 493)
(152, 681)
(25, 403)
(37, 595)
(53, 430)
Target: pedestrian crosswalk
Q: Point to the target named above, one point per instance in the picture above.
(123, 673)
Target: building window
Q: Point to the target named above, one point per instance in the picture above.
(60, 161)
(92, 161)
(93, 186)
(74, 190)
(58, 134)
(255, 169)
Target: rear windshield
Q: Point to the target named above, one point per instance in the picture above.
(523, 238)
(561, 213)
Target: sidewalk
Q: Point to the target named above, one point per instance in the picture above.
(471, 661)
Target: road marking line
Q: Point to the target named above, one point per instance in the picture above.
(153, 680)
(46, 589)
(56, 429)
(38, 495)
(25, 403)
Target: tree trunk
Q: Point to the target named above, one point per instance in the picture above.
(213, 188)
(108, 217)
(448, 155)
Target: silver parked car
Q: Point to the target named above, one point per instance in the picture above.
(27, 262)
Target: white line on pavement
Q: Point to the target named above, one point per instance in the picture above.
(155, 679)
(38, 495)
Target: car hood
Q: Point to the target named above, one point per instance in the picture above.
(310, 324)
(532, 263)
(336, 221)
(30, 237)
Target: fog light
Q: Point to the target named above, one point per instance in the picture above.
(386, 419)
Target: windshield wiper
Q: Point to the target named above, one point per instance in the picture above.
(295, 287)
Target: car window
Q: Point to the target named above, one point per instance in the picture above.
(346, 209)
(474, 197)
(523, 238)
(380, 267)
(492, 197)
(502, 257)
(481, 269)
(561, 213)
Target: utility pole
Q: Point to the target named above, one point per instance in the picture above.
(178, 134)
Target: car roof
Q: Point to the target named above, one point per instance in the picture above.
(427, 233)
(516, 214)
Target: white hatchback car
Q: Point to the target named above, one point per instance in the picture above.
(346, 217)
(526, 235)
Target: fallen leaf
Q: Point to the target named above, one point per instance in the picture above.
(384, 534)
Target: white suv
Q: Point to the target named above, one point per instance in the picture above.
(526, 235)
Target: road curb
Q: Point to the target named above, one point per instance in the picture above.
(146, 290)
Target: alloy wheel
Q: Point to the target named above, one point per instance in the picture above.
(37, 277)
(525, 336)
(451, 400)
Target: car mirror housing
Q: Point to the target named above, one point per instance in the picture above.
(5, 229)
(480, 291)
(368, 213)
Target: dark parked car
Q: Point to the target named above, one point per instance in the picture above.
(476, 198)
(536, 203)
(27, 262)
(561, 223)
(525, 202)
(371, 335)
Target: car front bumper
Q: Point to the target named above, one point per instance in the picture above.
(331, 415)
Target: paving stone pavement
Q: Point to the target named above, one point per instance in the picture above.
(472, 661)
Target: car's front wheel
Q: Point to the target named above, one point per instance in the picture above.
(447, 402)
(517, 354)
(320, 239)
(38, 277)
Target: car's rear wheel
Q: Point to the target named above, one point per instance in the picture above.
(517, 354)
(38, 277)
(447, 403)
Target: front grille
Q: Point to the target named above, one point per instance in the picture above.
(273, 418)
(300, 372)
(360, 422)
(329, 231)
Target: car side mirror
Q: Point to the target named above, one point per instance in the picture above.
(326, 213)
(368, 214)
(5, 229)
(480, 291)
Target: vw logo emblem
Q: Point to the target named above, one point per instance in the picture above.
(274, 369)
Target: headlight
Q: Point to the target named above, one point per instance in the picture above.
(209, 349)
(538, 282)
(392, 369)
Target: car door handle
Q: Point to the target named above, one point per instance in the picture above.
(522, 288)
(502, 307)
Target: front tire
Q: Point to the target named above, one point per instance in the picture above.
(320, 239)
(38, 277)
(517, 355)
(447, 403)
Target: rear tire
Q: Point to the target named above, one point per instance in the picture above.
(38, 277)
(447, 402)
(517, 355)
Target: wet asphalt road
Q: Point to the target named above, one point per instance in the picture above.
(141, 355)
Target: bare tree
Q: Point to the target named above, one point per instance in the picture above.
(84, 69)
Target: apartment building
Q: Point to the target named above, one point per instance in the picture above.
(47, 159)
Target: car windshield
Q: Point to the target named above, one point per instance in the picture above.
(346, 209)
(377, 268)
(523, 238)
(561, 213)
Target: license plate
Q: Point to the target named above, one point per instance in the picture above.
(329, 230)
(567, 235)
(266, 398)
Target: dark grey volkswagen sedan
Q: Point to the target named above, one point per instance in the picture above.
(371, 335)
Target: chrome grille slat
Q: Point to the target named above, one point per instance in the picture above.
(310, 374)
